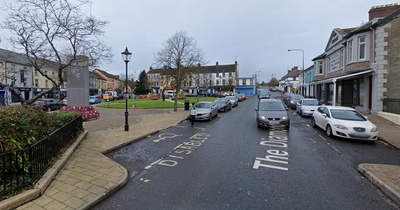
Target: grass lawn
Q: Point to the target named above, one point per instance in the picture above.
(149, 103)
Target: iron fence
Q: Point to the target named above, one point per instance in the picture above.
(22, 167)
(391, 105)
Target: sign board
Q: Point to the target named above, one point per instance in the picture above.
(296, 85)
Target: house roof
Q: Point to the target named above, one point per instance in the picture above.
(95, 75)
(201, 69)
(13, 57)
(322, 56)
(294, 73)
(107, 74)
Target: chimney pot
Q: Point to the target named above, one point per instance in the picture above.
(216, 64)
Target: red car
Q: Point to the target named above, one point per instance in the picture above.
(97, 96)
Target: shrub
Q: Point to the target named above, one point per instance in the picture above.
(20, 125)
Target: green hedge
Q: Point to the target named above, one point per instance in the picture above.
(20, 125)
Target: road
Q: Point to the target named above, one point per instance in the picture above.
(229, 163)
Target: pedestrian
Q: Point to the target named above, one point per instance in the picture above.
(192, 112)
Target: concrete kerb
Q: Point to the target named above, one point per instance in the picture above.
(45, 181)
(386, 189)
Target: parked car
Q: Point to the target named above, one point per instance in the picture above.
(274, 89)
(292, 100)
(223, 104)
(344, 122)
(264, 95)
(217, 95)
(49, 104)
(306, 106)
(239, 97)
(206, 111)
(234, 100)
(99, 96)
(272, 113)
(285, 97)
(94, 100)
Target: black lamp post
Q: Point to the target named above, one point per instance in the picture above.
(126, 56)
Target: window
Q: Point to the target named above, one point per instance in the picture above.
(341, 59)
(37, 82)
(320, 67)
(46, 83)
(350, 50)
(362, 47)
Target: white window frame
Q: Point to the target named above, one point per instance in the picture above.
(362, 46)
(350, 50)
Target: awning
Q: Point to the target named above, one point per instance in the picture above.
(334, 79)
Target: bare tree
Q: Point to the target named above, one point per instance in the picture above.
(179, 54)
(54, 34)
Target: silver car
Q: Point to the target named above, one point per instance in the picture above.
(234, 100)
(306, 106)
(206, 111)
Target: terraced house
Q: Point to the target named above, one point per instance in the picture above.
(200, 79)
(360, 66)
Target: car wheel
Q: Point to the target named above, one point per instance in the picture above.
(49, 109)
(313, 122)
(328, 131)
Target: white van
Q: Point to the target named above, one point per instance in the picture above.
(169, 93)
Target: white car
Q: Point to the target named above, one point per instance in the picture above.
(344, 122)
(307, 106)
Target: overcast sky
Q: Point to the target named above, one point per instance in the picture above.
(256, 33)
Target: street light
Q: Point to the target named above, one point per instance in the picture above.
(303, 68)
(126, 56)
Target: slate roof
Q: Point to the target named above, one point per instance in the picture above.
(294, 73)
(107, 74)
(201, 69)
(13, 57)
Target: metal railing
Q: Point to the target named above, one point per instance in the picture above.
(22, 167)
(391, 105)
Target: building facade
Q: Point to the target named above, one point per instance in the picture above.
(359, 67)
(199, 80)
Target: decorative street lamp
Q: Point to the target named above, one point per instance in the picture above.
(126, 56)
(303, 89)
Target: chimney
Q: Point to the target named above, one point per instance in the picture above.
(216, 64)
(165, 67)
(198, 65)
(289, 71)
(295, 68)
(382, 10)
(151, 68)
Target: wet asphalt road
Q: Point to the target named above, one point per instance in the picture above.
(229, 163)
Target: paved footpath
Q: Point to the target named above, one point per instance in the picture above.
(89, 176)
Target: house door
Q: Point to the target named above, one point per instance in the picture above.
(347, 94)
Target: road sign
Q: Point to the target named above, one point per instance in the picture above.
(296, 85)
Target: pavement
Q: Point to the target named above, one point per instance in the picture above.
(86, 176)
